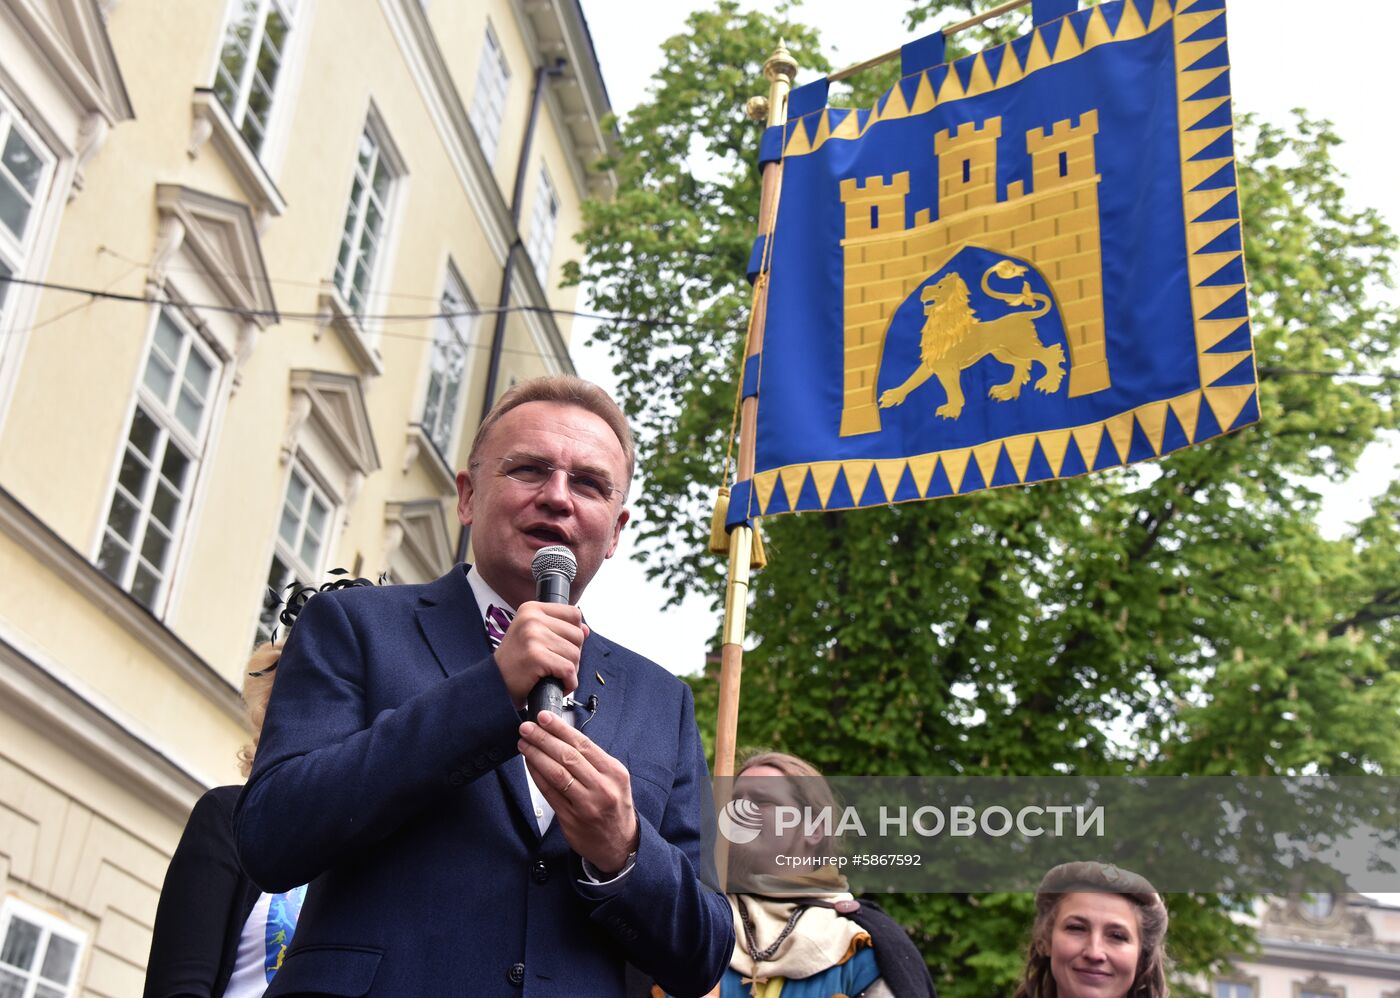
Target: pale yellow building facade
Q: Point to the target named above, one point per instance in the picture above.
(255, 254)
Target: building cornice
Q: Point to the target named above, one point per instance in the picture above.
(19, 523)
(36, 696)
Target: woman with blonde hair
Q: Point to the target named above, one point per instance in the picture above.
(216, 934)
(1099, 932)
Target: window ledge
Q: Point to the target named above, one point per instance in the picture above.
(336, 313)
(422, 451)
(211, 121)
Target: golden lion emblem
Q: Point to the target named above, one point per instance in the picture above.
(953, 339)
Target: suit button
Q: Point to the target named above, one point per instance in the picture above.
(540, 871)
(496, 755)
(516, 973)
(456, 778)
(481, 763)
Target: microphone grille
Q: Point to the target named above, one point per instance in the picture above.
(554, 559)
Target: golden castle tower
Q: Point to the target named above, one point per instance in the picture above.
(1055, 227)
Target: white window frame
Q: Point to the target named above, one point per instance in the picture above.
(243, 86)
(1234, 989)
(193, 444)
(487, 113)
(50, 927)
(295, 567)
(444, 430)
(544, 226)
(362, 196)
(15, 250)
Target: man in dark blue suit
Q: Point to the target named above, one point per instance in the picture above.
(451, 848)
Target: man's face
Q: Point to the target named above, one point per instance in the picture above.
(511, 520)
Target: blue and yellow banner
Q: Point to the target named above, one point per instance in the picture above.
(1023, 265)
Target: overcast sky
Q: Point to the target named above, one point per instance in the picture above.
(1284, 54)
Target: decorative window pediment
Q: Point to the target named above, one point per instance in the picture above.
(222, 238)
(417, 544)
(72, 35)
(333, 404)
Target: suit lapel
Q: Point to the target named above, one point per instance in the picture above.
(451, 622)
(452, 626)
(600, 676)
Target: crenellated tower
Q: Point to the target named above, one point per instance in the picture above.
(1055, 227)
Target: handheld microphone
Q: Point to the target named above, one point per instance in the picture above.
(554, 568)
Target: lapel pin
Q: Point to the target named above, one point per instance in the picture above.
(601, 681)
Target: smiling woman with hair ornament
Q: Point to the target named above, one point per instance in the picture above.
(1099, 932)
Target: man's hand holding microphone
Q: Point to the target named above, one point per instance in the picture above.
(590, 791)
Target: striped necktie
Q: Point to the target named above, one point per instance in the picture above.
(498, 618)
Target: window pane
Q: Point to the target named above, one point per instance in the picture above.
(198, 372)
(291, 521)
(166, 505)
(175, 468)
(366, 153)
(14, 207)
(188, 411)
(278, 576)
(111, 560)
(381, 181)
(156, 545)
(123, 516)
(133, 473)
(46, 991)
(23, 162)
(160, 376)
(168, 337)
(4, 288)
(21, 942)
(145, 434)
(315, 531)
(144, 586)
(11, 985)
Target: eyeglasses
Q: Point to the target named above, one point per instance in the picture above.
(587, 485)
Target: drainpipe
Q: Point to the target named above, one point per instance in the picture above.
(516, 249)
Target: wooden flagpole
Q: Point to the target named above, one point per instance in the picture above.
(780, 69)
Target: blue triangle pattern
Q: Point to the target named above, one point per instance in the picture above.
(1218, 87)
(778, 501)
(1144, 10)
(1051, 33)
(1022, 47)
(1206, 424)
(1108, 454)
(1249, 414)
(1216, 58)
(909, 87)
(874, 494)
(1219, 149)
(963, 67)
(1038, 467)
(1231, 273)
(1173, 434)
(906, 489)
(1215, 29)
(1235, 342)
(994, 58)
(938, 484)
(1196, 8)
(1223, 177)
(1236, 308)
(807, 497)
(1241, 374)
(1005, 472)
(840, 497)
(1139, 447)
(1112, 14)
(972, 478)
(1073, 464)
(1219, 118)
(1223, 243)
(1224, 210)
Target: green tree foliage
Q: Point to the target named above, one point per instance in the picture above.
(1182, 617)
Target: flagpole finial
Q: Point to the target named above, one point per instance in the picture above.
(757, 108)
(780, 63)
